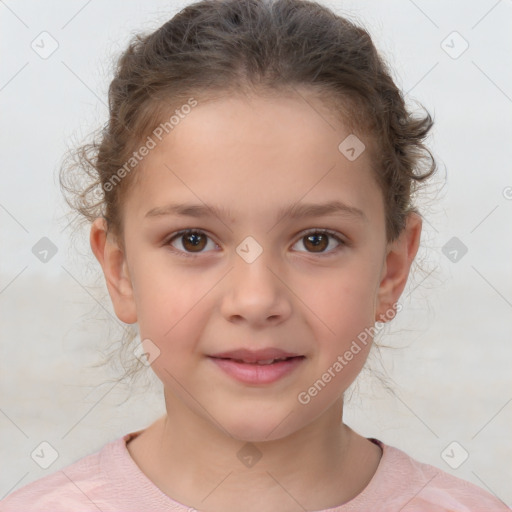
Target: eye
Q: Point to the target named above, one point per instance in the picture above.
(318, 240)
(191, 241)
(194, 241)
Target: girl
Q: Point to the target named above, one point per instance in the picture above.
(252, 214)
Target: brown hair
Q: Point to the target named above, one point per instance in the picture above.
(217, 47)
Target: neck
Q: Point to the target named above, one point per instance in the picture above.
(200, 465)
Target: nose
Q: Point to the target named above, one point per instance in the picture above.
(256, 293)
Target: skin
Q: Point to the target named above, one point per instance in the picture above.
(263, 153)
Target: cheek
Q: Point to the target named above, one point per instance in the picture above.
(175, 327)
(170, 305)
(343, 342)
(344, 301)
(344, 315)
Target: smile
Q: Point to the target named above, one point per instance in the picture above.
(258, 372)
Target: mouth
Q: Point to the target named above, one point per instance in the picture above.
(256, 370)
(264, 362)
(261, 356)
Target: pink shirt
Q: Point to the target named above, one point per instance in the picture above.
(110, 481)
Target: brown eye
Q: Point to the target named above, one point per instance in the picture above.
(191, 241)
(194, 241)
(318, 241)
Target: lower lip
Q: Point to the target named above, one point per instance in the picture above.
(257, 373)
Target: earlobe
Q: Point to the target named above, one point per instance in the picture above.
(115, 269)
(400, 255)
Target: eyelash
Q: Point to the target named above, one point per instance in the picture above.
(304, 234)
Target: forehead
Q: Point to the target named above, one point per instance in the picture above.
(251, 151)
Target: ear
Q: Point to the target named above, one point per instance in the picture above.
(400, 255)
(115, 268)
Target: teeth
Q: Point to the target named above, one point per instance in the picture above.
(268, 361)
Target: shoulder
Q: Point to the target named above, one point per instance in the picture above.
(415, 486)
(80, 486)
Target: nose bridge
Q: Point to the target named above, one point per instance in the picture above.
(255, 291)
(251, 270)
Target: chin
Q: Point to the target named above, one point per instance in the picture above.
(258, 427)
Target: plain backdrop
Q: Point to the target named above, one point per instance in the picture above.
(449, 372)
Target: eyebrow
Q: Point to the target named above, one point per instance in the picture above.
(294, 211)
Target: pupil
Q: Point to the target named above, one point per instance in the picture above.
(194, 239)
(317, 243)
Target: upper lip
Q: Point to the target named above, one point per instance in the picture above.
(253, 356)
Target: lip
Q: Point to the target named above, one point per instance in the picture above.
(252, 356)
(251, 373)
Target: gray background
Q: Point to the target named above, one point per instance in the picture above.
(450, 368)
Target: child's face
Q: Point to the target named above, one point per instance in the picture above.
(253, 159)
